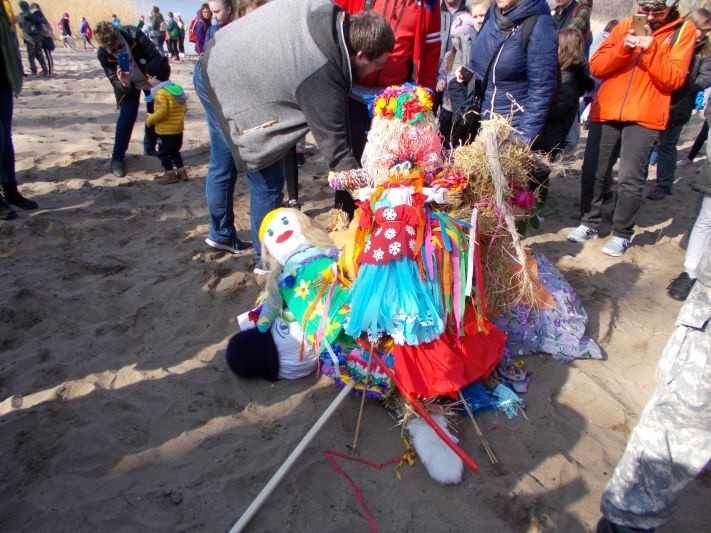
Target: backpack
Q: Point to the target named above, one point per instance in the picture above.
(89, 32)
(681, 93)
(46, 29)
(192, 36)
(173, 30)
(587, 34)
(30, 28)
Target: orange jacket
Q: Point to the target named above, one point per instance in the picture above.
(637, 85)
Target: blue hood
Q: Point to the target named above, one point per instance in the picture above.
(525, 9)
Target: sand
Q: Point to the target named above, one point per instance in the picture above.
(118, 412)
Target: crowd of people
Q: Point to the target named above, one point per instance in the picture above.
(534, 63)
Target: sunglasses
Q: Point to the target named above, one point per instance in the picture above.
(652, 10)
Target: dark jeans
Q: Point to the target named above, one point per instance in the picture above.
(445, 126)
(266, 185)
(128, 112)
(666, 162)
(173, 48)
(169, 151)
(7, 150)
(291, 174)
(358, 126)
(605, 141)
(699, 141)
(34, 53)
(158, 41)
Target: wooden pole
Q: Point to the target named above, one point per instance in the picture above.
(484, 442)
(362, 402)
(286, 465)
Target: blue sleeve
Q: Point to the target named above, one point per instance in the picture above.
(542, 76)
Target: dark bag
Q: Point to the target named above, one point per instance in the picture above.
(30, 28)
(466, 103)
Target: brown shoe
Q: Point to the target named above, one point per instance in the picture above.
(183, 174)
(170, 177)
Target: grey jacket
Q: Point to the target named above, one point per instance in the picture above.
(276, 74)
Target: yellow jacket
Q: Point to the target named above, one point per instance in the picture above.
(169, 108)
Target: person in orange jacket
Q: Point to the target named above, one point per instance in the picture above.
(415, 58)
(639, 74)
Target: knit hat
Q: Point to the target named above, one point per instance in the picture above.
(657, 4)
(159, 68)
(251, 353)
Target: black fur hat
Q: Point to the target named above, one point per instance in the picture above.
(158, 67)
(251, 353)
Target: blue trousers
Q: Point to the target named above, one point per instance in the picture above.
(7, 150)
(266, 186)
(128, 113)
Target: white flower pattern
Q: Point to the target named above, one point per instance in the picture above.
(390, 234)
(394, 248)
(378, 254)
(389, 214)
(410, 230)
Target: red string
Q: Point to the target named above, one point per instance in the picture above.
(332, 454)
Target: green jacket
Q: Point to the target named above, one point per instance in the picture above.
(9, 52)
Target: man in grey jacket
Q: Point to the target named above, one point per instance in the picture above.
(286, 69)
(671, 443)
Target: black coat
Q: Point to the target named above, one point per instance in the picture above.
(574, 82)
(684, 98)
(143, 52)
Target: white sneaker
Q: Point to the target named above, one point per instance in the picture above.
(582, 233)
(683, 163)
(616, 246)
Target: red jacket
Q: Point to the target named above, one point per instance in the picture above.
(637, 86)
(417, 41)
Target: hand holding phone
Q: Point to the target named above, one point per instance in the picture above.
(123, 61)
(464, 74)
(639, 24)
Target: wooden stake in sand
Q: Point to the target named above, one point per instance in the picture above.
(284, 468)
(362, 402)
(484, 442)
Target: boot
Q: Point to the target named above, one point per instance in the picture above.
(170, 177)
(6, 212)
(12, 196)
(183, 174)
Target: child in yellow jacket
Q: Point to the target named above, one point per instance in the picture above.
(168, 117)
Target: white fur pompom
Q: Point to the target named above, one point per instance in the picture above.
(442, 464)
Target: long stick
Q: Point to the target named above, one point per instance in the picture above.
(484, 442)
(286, 465)
(425, 416)
(362, 402)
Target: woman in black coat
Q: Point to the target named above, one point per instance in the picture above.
(574, 81)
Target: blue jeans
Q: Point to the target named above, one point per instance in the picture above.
(7, 150)
(666, 163)
(128, 112)
(265, 185)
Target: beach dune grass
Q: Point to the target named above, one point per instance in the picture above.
(95, 11)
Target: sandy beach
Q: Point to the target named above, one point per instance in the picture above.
(119, 413)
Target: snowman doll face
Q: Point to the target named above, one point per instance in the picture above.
(282, 235)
